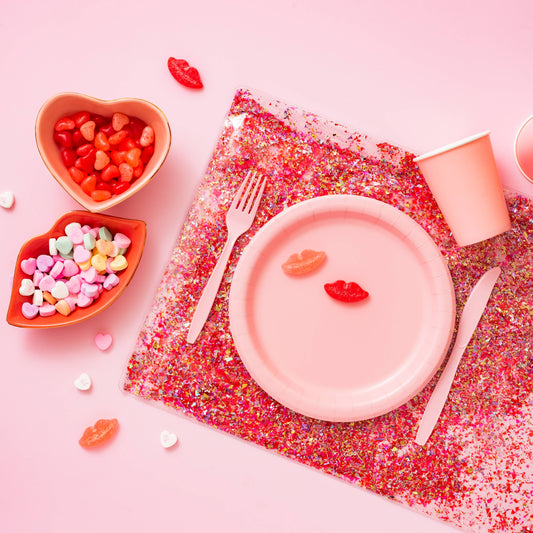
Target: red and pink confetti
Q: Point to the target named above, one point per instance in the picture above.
(477, 469)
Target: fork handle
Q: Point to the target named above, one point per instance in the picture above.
(209, 293)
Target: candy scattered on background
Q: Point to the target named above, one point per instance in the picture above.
(83, 382)
(346, 291)
(101, 432)
(303, 262)
(104, 155)
(168, 439)
(184, 73)
(7, 199)
(80, 265)
(103, 341)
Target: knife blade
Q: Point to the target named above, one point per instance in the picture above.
(472, 312)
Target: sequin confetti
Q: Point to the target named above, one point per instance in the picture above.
(476, 471)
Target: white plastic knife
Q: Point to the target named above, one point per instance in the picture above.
(473, 309)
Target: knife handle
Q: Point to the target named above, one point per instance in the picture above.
(439, 395)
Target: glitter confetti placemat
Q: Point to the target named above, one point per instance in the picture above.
(477, 469)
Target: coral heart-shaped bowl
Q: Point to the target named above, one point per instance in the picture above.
(66, 104)
(135, 230)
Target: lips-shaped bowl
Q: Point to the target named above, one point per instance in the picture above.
(134, 229)
(65, 104)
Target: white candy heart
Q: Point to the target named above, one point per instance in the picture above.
(7, 199)
(27, 288)
(60, 290)
(168, 439)
(83, 382)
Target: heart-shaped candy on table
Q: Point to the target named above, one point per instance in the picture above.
(83, 382)
(7, 199)
(168, 439)
(70, 104)
(103, 341)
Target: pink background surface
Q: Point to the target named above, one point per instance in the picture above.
(414, 76)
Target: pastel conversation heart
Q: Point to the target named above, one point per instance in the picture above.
(168, 439)
(29, 310)
(27, 288)
(7, 199)
(103, 341)
(81, 254)
(83, 382)
(28, 266)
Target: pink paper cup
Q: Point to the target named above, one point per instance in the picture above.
(465, 183)
(523, 149)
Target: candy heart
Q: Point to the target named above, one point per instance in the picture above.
(168, 439)
(147, 136)
(27, 288)
(81, 254)
(64, 244)
(103, 341)
(60, 290)
(28, 266)
(119, 263)
(7, 198)
(87, 130)
(102, 159)
(70, 268)
(29, 310)
(111, 281)
(44, 262)
(83, 382)
(119, 120)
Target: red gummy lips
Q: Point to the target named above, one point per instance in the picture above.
(184, 73)
(346, 291)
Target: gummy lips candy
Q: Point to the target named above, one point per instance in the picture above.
(303, 262)
(346, 291)
(184, 73)
(101, 432)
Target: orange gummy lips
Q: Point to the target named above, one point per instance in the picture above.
(101, 432)
(303, 262)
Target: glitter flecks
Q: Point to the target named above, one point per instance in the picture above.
(477, 469)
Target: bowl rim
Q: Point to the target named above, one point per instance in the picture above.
(15, 317)
(80, 197)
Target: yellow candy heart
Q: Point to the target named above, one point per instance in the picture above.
(98, 261)
(119, 263)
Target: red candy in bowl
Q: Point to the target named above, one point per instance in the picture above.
(101, 152)
(75, 270)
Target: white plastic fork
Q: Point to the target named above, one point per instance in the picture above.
(239, 218)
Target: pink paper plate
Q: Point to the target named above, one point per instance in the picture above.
(331, 360)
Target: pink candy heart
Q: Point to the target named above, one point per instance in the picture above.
(103, 341)
(81, 254)
(44, 263)
(28, 266)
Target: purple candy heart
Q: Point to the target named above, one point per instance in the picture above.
(29, 310)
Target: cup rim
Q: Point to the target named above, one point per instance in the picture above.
(451, 146)
(522, 126)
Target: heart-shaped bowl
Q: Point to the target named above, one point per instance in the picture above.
(135, 230)
(65, 104)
